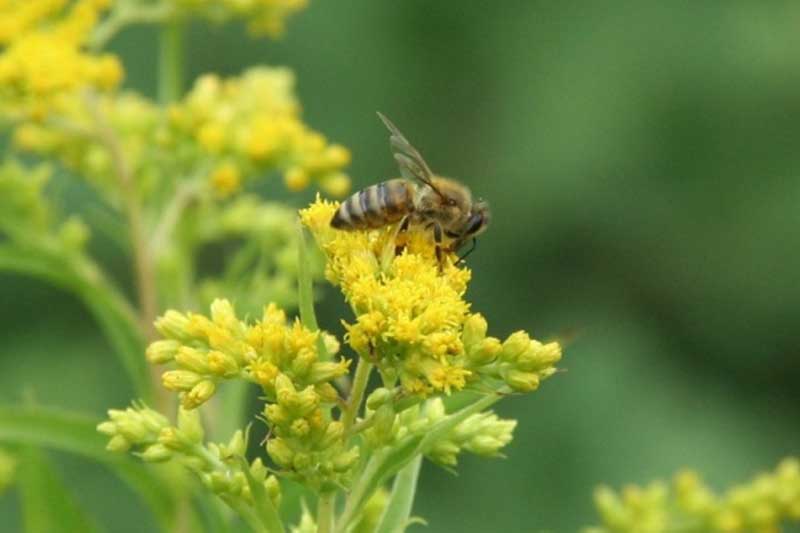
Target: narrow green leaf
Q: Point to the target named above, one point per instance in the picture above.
(397, 515)
(264, 508)
(305, 284)
(75, 433)
(305, 291)
(47, 505)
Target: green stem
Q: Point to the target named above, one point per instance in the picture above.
(170, 62)
(360, 381)
(325, 508)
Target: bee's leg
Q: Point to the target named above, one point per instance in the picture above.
(402, 228)
(471, 249)
(437, 238)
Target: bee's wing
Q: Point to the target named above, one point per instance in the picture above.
(412, 165)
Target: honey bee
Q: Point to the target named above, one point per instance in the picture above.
(442, 205)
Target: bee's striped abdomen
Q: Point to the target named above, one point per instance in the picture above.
(375, 206)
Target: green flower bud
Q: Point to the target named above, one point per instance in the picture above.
(189, 424)
(280, 452)
(444, 452)
(474, 331)
(378, 397)
(521, 381)
(199, 394)
(300, 427)
(132, 429)
(218, 482)
(118, 443)
(173, 325)
(258, 470)
(327, 393)
(222, 364)
(327, 371)
(304, 402)
(180, 380)
(302, 362)
(539, 356)
(273, 489)
(237, 446)
(276, 414)
(332, 345)
(301, 461)
(382, 429)
(345, 460)
(163, 351)
(333, 434)
(107, 428)
(153, 420)
(156, 453)
(285, 391)
(192, 359)
(485, 351)
(515, 345)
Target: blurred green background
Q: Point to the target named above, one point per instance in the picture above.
(641, 160)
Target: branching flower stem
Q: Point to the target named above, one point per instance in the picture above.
(360, 381)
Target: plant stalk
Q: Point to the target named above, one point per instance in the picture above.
(170, 61)
(325, 510)
(360, 381)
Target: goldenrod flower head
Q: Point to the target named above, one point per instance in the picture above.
(277, 355)
(411, 313)
(253, 122)
(760, 505)
(136, 427)
(264, 17)
(44, 62)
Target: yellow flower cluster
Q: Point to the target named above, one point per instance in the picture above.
(74, 139)
(411, 316)
(44, 62)
(208, 351)
(289, 362)
(264, 17)
(150, 434)
(759, 506)
(225, 130)
(305, 441)
(250, 125)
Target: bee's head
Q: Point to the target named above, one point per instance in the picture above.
(450, 203)
(479, 218)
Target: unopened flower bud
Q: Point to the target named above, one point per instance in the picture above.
(156, 453)
(280, 452)
(327, 393)
(180, 380)
(163, 351)
(378, 397)
(301, 461)
(515, 345)
(327, 371)
(173, 325)
(475, 328)
(192, 359)
(222, 364)
(343, 461)
(333, 433)
(521, 381)
(485, 351)
(199, 394)
(189, 424)
(384, 423)
(237, 445)
(118, 443)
